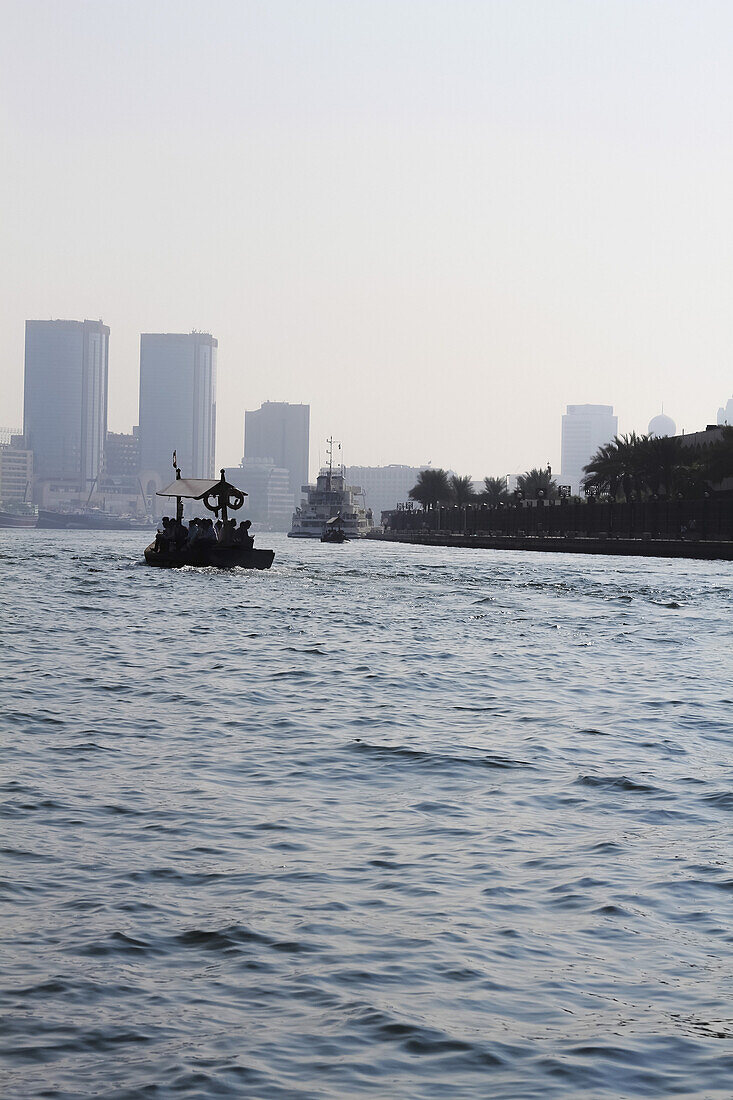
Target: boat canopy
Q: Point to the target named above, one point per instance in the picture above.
(334, 520)
(196, 488)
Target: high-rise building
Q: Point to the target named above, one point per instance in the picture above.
(384, 487)
(725, 413)
(122, 454)
(280, 432)
(65, 399)
(177, 404)
(585, 428)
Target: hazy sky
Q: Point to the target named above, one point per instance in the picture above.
(437, 221)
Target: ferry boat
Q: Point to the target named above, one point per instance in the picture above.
(218, 497)
(328, 499)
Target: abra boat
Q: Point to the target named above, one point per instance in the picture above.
(334, 530)
(327, 500)
(219, 497)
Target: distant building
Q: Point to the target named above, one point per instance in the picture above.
(16, 469)
(177, 405)
(725, 413)
(6, 435)
(384, 486)
(280, 433)
(122, 454)
(585, 428)
(662, 425)
(65, 399)
(269, 501)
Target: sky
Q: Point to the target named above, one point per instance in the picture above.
(438, 222)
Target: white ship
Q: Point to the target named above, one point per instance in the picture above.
(328, 499)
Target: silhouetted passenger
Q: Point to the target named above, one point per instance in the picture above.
(180, 534)
(227, 533)
(163, 535)
(244, 538)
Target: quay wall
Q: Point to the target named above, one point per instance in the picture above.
(708, 550)
(658, 528)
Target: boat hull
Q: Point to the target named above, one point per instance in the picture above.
(210, 556)
(83, 521)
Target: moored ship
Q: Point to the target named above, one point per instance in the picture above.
(18, 514)
(328, 499)
(90, 519)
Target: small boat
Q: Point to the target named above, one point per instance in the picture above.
(219, 497)
(334, 530)
(19, 514)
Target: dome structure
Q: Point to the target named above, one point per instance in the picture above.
(662, 425)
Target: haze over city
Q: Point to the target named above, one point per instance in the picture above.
(437, 223)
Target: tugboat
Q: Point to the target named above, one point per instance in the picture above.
(219, 497)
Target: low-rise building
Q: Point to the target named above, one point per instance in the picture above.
(270, 501)
(16, 470)
(384, 487)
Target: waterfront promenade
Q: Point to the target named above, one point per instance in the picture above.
(671, 528)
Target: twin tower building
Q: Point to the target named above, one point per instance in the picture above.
(65, 413)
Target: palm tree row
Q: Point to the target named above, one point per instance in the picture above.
(643, 466)
(435, 488)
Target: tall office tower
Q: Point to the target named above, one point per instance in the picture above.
(65, 399)
(177, 404)
(585, 428)
(281, 432)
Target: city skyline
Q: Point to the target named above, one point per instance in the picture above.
(452, 246)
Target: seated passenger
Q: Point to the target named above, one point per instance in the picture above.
(208, 534)
(194, 531)
(163, 535)
(227, 533)
(180, 533)
(243, 536)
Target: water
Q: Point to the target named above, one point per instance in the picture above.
(386, 821)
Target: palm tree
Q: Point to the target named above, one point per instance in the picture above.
(604, 472)
(535, 482)
(495, 491)
(431, 488)
(620, 464)
(718, 462)
(462, 489)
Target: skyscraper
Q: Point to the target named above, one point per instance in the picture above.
(177, 404)
(280, 432)
(585, 428)
(65, 399)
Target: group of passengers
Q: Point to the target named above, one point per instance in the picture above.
(173, 534)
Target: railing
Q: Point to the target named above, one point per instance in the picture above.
(708, 519)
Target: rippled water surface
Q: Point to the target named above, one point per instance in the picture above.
(384, 821)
